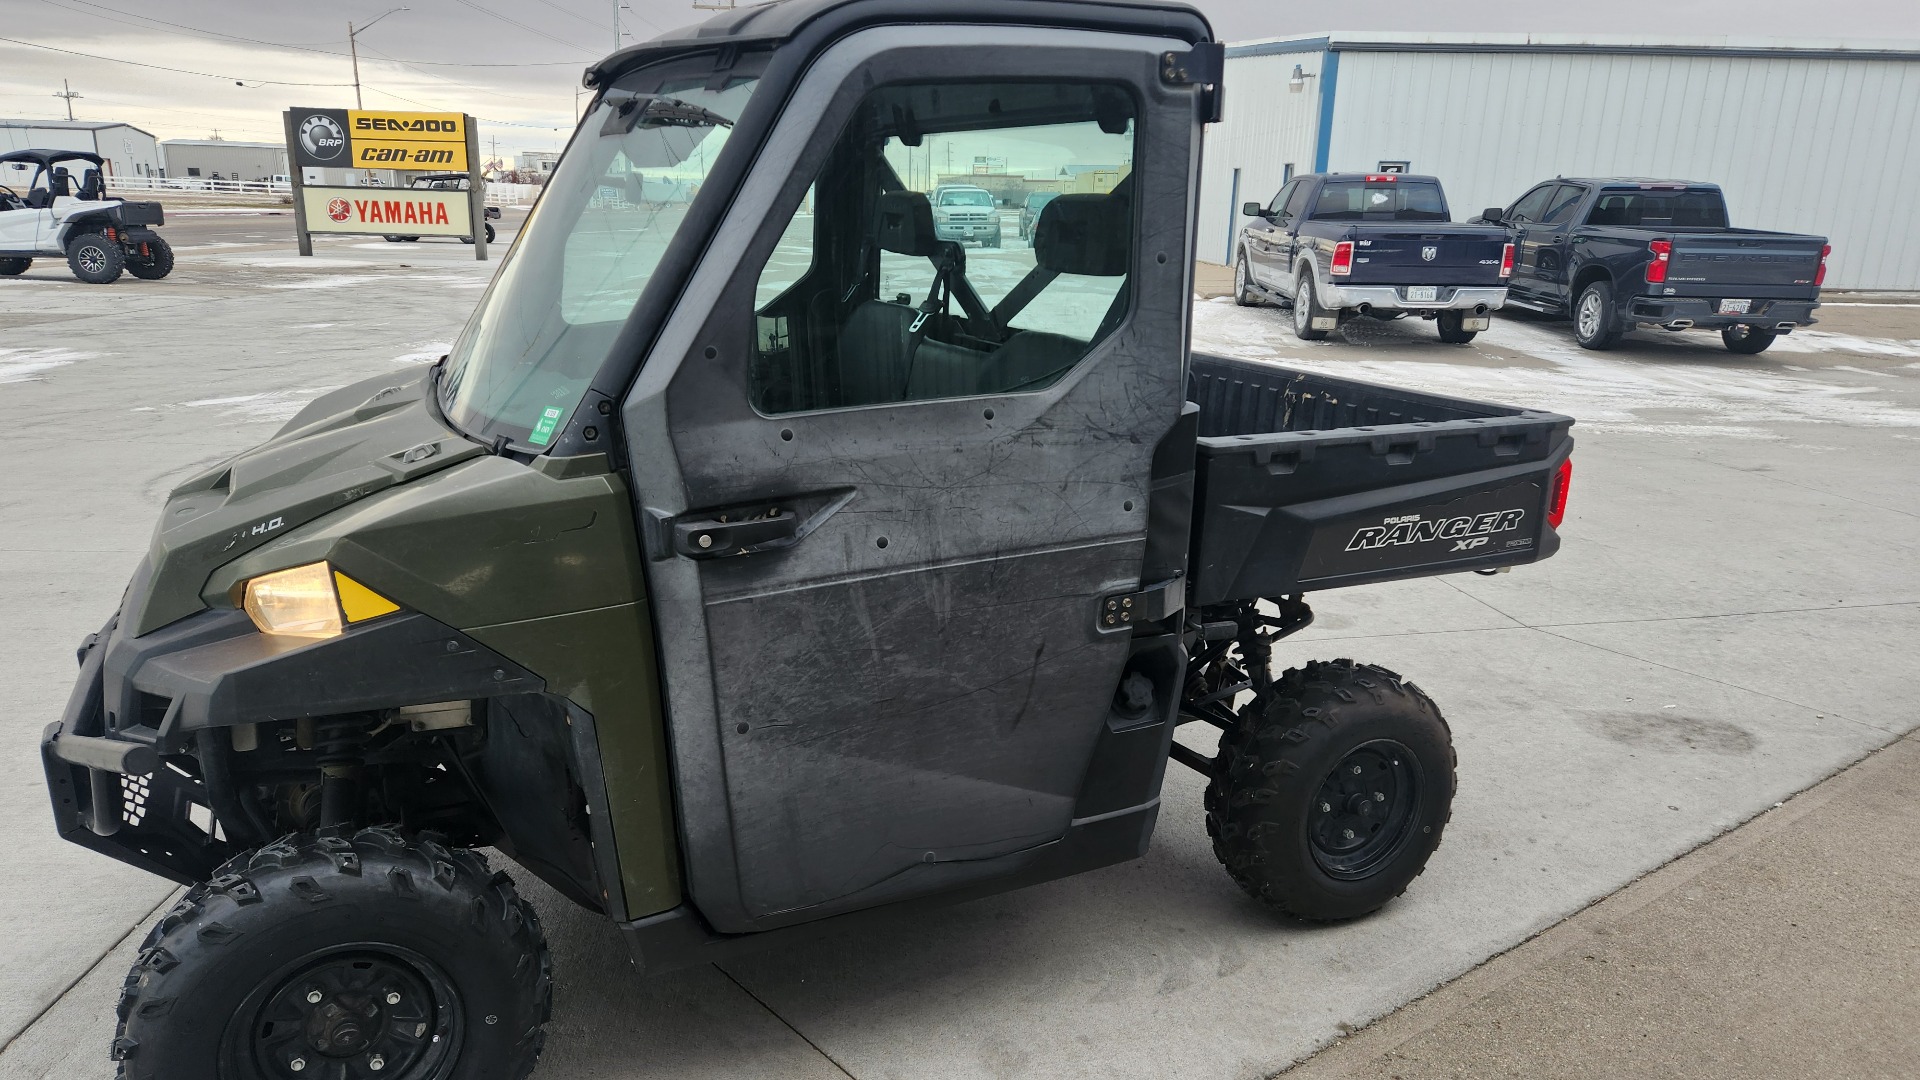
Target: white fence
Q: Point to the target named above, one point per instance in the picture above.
(497, 194)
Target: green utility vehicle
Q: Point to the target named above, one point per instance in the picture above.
(752, 560)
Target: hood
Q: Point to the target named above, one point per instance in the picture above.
(342, 447)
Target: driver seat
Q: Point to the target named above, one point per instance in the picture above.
(92, 186)
(61, 184)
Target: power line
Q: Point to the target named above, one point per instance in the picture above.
(521, 25)
(158, 67)
(476, 116)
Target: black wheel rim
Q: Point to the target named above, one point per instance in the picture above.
(351, 1013)
(1365, 809)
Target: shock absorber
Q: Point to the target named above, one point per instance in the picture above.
(338, 742)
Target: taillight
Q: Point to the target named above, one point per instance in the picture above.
(1662, 255)
(1562, 480)
(1820, 276)
(1383, 178)
(1506, 262)
(1342, 258)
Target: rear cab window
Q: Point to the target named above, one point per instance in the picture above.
(1660, 206)
(1380, 199)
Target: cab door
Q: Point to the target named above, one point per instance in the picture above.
(880, 532)
(1268, 243)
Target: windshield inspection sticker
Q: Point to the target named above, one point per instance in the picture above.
(543, 431)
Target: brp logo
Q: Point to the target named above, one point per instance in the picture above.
(1429, 253)
(337, 209)
(323, 137)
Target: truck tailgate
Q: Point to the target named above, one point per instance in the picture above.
(1305, 481)
(1398, 255)
(1775, 265)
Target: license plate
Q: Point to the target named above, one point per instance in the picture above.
(1735, 307)
(1423, 294)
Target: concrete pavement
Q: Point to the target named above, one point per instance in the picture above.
(1734, 617)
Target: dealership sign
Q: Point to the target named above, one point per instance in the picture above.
(385, 212)
(372, 139)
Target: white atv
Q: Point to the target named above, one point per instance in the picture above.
(99, 236)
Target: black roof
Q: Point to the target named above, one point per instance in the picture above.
(1397, 177)
(766, 24)
(44, 158)
(1634, 181)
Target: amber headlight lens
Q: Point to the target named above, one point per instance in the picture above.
(313, 601)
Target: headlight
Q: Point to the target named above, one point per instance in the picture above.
(313, 601)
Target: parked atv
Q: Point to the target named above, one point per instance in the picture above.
(100, 237)
(743, 566)
(447, 182)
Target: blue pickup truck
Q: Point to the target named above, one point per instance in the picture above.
(1619, 254)
(1340, 245)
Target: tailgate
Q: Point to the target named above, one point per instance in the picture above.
(1306, 482)
(1768, 265)
(1400, 255)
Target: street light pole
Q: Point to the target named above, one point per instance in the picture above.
(353, 48)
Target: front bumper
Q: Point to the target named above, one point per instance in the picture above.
(1682, 312)
(968, 231)
(1394, 298)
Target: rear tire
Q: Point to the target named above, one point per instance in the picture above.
(1332, 791)
(157, 264)
(1451, 326)
(95, 259)
(1306, 309)
(336, 950)
(1748, 340)
(14, 267)
(1595, 324)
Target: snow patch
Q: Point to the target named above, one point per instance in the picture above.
(25, 365)
(423, 352)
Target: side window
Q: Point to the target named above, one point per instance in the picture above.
(1560, 208)
(903, 275)
(1533, 205)
(1296, 207)
(1278, 207)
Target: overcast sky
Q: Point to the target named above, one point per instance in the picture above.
(534, 50)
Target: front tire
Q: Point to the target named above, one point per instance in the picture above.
(1595, 323)
(1243, 293)
(377, 954)
(95, 259)
(156, 264)
(1306, 309)
(14, 267)
(1452, 327)
(1332, 791)
(1747, 340)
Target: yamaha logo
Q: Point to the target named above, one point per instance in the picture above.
(323, 137)
(1429, 253)
(338, 209)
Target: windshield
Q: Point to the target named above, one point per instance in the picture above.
(1353, 200)
(589, 247)
(970, 197)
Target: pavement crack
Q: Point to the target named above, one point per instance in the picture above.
(771, 1011)
(88, 970)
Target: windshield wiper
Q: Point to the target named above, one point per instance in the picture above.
(656, 110)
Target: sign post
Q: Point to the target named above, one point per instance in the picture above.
(405, 142)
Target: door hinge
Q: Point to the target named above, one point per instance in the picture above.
(1205, 66)
(1152, 604)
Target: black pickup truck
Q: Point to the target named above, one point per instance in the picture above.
(1620, 254)
(1336, 245)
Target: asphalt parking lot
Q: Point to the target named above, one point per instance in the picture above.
(1735, 616)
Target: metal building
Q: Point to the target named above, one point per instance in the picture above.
(129, 150)
(225, 159)
(1804, 137)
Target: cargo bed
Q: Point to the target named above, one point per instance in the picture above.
(1305, 482)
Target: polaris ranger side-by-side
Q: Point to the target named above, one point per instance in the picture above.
(51, 213)
(752, 560)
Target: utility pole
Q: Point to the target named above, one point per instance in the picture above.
(353, 48)
(68, 93)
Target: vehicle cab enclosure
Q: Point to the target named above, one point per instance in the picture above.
(1620, 253)
(1372, 242)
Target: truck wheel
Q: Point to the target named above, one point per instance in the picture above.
(1243, 293)
(1450, 325)
(157, 264)
(14, 267)
(375, 955)
(1306, 309)
(490, 233)
(1594, 325)
(1747, 340)
(1332, 791)
(95, 259)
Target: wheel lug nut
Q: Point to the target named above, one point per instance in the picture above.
(377, 1063)
(297, 1064)
(1348, 833)
(1379, 796)
(314, 996)
(1326, 808)
(1356, 770)
(393, 997)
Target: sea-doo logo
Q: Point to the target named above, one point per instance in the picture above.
(323, 137)
(1429, 253)
(1467, 533)
(405, 124)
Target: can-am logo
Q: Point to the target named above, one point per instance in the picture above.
(323, 137)
(1467, 533)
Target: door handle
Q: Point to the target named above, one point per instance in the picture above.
(735, 534)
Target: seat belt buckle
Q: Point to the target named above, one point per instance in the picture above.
(919, 320)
